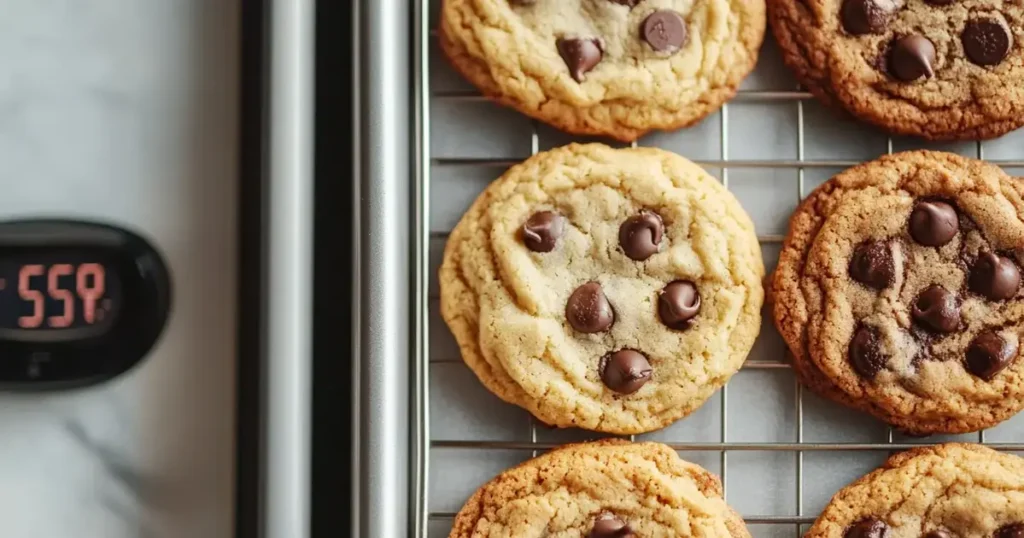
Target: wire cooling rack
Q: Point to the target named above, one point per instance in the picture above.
(781, 452)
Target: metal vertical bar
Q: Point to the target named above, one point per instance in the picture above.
(800, 155)
(723, 128)
(724, 153)
(534, 149)
(355, 398)
(980, 150)
(385, 270)
(421, 192)
(534, 138)
(289, 305)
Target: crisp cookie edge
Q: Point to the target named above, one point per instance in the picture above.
(592, 121)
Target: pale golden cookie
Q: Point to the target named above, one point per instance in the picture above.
(604, 489)
(618, 68)
(608, 289)
(898, 291)
(945, 491)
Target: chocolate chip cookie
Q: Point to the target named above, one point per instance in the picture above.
(898, 291)
(938, 69)
(605, 489)
(607, 289)
(618, 68)
(944, 491)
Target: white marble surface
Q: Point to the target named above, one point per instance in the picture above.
(125, 110)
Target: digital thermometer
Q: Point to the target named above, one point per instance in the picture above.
(80, 302)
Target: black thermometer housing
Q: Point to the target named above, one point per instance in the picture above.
(80, 302)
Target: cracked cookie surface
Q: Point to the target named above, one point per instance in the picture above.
(932, 68)
(898, 291)
(608, 289)
(618, 68)
(601, 489)
(944, 491)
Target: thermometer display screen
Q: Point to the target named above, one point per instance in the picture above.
(62, 294)
(80, 302)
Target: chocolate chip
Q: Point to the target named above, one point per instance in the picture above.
(542, 230)
(933, 223)
(865, 353)
(939, 2)
(936, 309)
(987, 355)
(911, 58)
(625, 371)
(867, 16)
(522, 2)
(664, 30)
(986, 41)
(588, 309)
(678, 304)
(1012, 530)
(939, 533)
(630, 3)
(872, 265)
(641, 234)
(868, 528)
(995, 277)
(580, 55)
(610, 526)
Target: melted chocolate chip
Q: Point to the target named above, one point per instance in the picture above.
(640, 235)
(664, 30)
(986, 41)
(933, 223)
(1012, 530)
(609, 525)
(872, 265)
(542, 230)
(625, 371)
(678, 304)
(939, 533)
(911, 58)
(865, 353)
(630, 3)
(867, 16)
(987, 355)
(522, 2)
(580, 55)
(588, 309)
(995, 277)
(936, 309)
(868, 528)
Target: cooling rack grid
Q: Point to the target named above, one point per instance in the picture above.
(780, 450)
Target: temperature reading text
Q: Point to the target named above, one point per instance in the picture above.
(74, 290)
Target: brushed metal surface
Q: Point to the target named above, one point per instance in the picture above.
(386, 276)
(290, 271)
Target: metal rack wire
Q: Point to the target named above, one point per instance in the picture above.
(723, 446)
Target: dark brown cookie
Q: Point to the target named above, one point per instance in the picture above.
(937, 69)
(892, 297)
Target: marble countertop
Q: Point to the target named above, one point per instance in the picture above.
(126, 111)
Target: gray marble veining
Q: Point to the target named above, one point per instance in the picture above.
(126, 111)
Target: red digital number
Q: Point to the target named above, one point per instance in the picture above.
(64, 296)
(90, 284)
(27, 293)
(90, 294)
